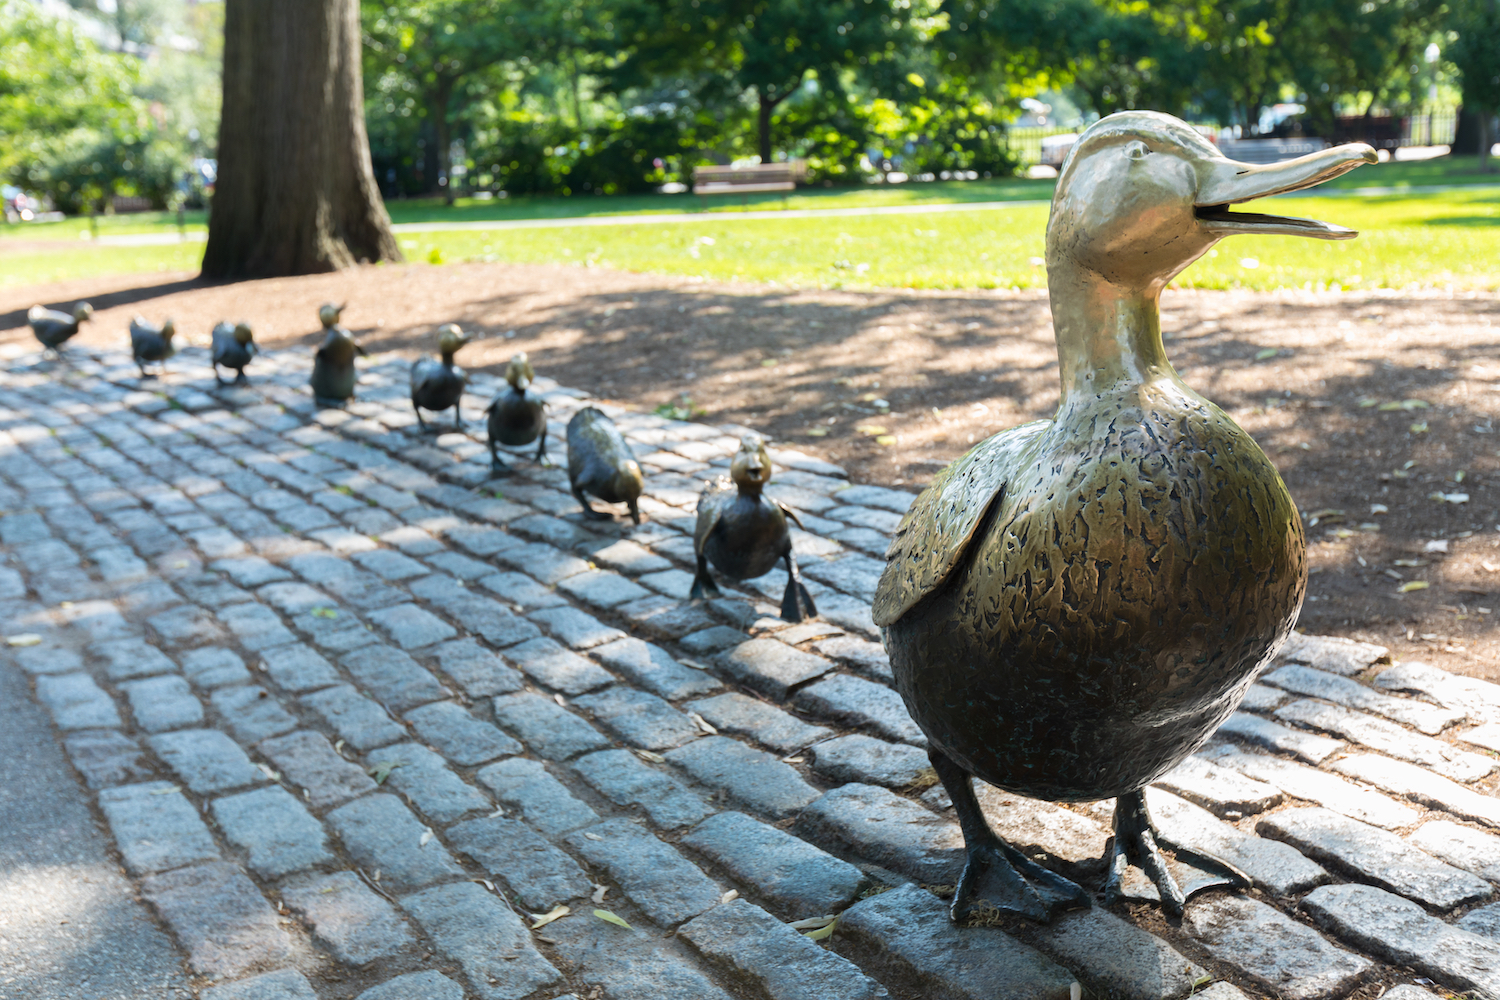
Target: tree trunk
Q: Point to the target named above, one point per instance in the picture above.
(296, 193)
(767, 105)
(1486, 140)
(438, 108)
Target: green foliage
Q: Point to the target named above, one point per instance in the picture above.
(1476, 51)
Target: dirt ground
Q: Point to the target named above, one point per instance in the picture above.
(895, 384)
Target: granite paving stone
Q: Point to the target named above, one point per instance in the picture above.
(521, 591)
(1328, 790)
(106, 757)
(1388, 738)
(381, 833)
(628, 557)
(252, 713)
(1347, 657)
(220, 918)
(1289, 958)
(420, 775)
(1273, 866)
(870, 761)
(76, 702)
(1374, 854)
(155, 827)
(858, 702)
(771, 667)
(538, 873)
(485, 617)
(904, 936)
(415, 986)
(664, 618)
(279, 834)
(1484, 921)
(712, 640)
(762, 722)
(457, 735)
(206, 760)
(666, 886)
(1116, 958)
(390, 565)
(1413, 783)
(1224, 792)
(751, 945)
(364, 724)
(626, 780)
(1401, 932)
(1478, 699)
(1312, 683)
(879, 826)
(127, 658)
(212, 667)
(868, 658)
(255, 626)
(392, 677)
(1486, 736)
(547, 729)
(526, 787)
(410, 627)
(1245, 728)
(601, 588)
(553, 666)
(309, 762)
(283, 984)
(250, 571)
(297, 668)
(538, 560)
(576, 629)
(790, 876)
(186, 625)
(654, 668)
(347, 918)
(478, 671)
(335, 631)
(1461, 846)
(629, 964)
(638, 718)
(487, 940)
(751, 777)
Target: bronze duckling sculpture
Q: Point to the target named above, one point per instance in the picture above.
(53, 328)
(233, 345)
(1075, 605)
(515, 418)
(744, 533)
(149, 342)
(333, 373)
(437, 384)
(601, 462)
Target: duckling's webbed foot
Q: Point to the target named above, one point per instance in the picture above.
(703, 582)
(1137, 842)
(996, 876)
(796, 602)
(541, 449)
(588, 510)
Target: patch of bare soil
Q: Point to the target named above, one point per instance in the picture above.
(895, 384)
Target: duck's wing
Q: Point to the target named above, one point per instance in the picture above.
(710, 509)
(789, 513)
(934, 534)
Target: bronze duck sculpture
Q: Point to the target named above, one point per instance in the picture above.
(1076, 604)
(53, 328)
(149, 342)
(515, 418)
(744, 533)
(233, 345)
(333, 373)
(601, 462)
(437, 383)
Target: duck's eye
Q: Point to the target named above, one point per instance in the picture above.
(1136, 150)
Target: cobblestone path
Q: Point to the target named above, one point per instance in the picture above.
(353, 713)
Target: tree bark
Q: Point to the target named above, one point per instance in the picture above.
(296, 193)
(442, 93)
(767, 104)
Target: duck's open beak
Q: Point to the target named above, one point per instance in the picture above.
(1229, 182)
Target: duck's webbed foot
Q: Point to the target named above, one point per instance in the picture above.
(796, 602)
(996, 876)
(703, 582)
(241, 378)
(1137, 842)
(588, 509)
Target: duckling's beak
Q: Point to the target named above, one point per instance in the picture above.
(1229, 182)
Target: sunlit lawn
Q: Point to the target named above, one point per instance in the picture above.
(1448, 238)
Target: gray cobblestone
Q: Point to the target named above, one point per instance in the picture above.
(357, 719)
(420, 775)
(106, 758)
(255, 626)
(162, 703)
(639, 719)
(393, 677)
(629, 964)
(272, 826)
(485, 938)
(308, 761)
(1460, 846)
(335, 631)
(870, 761)
(483, 616)
(47, 659)
(76, 702)
(251, 713)
(763, 723)
(415, 986)
(1271, 865)
(1341, 656)
(1417, 785)
(294, 598)
(751, 777)
(206, 760)
(1351, 694)
(654, 669)
(212, 667)
(575, 628)
(625, 780)
(1388, 738)
(548, 729)
(128, 658)
(538, 873)
(666, 886)
(381, 833)
(475, 669)
(1326, 789)
(1222, 791)
(772, 667)
(858, 702)
(712, 640)
(869, 658)
(662, 617)
(540, 799)
(155, 827)
(793, 878)
(352, 922)
(1283, 955)
(520, 591)
(284, 984)
(752, 945)
(874, 823)
(220, 918)
(459, 736)
(549, 664)
(1479, 699)
(410, 627)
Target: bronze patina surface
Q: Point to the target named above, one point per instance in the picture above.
(1075, 605)
(601, 462)
(233, 347)
(516, 419)
(149, 342)
(333, 374)
(744, 533)
(437, 383)
(53, 328)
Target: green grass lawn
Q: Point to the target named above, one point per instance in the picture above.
(1437, 239)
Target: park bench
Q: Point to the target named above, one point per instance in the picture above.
(752, 178)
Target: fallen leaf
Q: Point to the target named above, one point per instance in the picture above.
(1379, 508)
(702, 724)
(427, 835)
(560, 700)
(324, 613)
(599, 893)
(543, 919)
(485, 882)
(382, 771)
(1420, 427)
(654, 758)
(610, 918)
(1411, 585)
(1436, 545)
(871, 430)
(1264, 353)
(24, 639)
(730, 896)
(886, 439)
(1449, 497)
(592, 836)
(1366, 402)
(812, 923)
(167, 791)
(815, 432)
(268, 772)
(822, 933)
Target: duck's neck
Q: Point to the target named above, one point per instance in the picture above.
(1108, 335)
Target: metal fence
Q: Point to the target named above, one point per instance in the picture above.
(1026, 143)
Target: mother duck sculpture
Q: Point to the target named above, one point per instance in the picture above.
(1075, 605)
